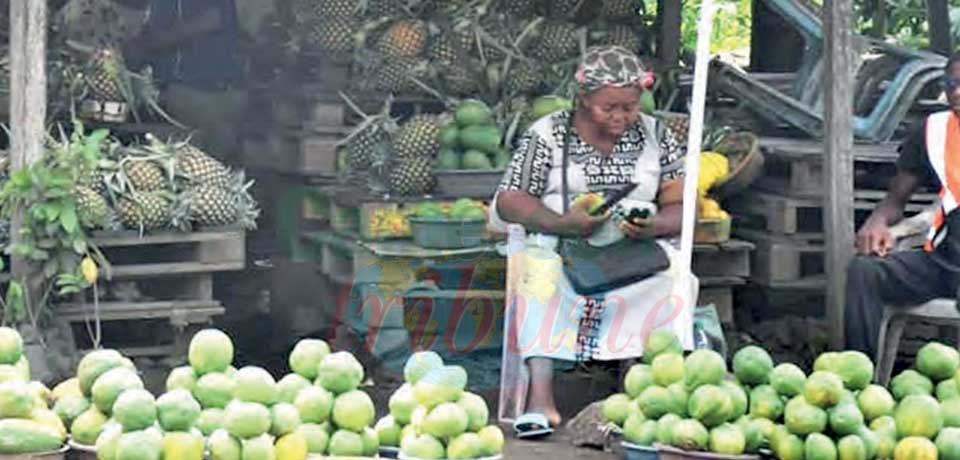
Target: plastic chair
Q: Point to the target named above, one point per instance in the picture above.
(895, 318)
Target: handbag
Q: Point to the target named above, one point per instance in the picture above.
(594, 270)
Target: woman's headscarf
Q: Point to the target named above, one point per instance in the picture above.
(612, 66)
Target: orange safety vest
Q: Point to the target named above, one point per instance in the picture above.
(942, 137)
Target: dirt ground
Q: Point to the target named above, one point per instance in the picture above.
(556, 447)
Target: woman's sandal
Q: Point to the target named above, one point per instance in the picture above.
(532, 425)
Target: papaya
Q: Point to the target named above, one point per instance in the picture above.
(22, 436)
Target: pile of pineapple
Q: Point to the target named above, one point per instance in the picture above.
(161, 185)
(459, 48)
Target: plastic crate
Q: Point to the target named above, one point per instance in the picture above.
(448, 234)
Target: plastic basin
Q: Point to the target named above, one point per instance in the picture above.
(634, 452)
(672, 453)
(447, 234)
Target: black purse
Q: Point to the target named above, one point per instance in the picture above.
(594, 270)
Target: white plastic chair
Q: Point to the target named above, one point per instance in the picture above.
(908, 233)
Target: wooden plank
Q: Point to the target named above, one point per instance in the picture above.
(838, 144)
(115, 311)
(785, 214)
(722, 263)
(133, 238)
(808, 149)
(171, 269)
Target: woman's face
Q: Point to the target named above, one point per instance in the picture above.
(613, 110)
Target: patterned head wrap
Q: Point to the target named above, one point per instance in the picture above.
(612, 66)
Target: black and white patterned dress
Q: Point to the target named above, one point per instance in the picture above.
(557, 322)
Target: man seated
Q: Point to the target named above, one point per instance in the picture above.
(878, 277)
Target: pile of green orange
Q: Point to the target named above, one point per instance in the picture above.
(433, 417)
(692, 403)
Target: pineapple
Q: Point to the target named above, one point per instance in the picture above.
(560, 9)
(404, 38)
(92, 208)
(145, 210)
(418, 137)
(621, 9)
(461, 80)
(104, 74)
(334, 35)
(679, 125)
(335, 8)
(144, 175)
(199, 168)
(557, 42)
(92, 178)
(412, 176)
(394, 75)
(366, 147)
(522, 77)
(449, 48)
(518, 8)
(212, 206)
(622, 36)
(384, 8)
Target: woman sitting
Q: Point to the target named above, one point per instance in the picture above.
(609, 146)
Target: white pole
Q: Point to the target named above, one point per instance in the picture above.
(692, 166)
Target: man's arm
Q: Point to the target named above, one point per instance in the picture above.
(874, 237)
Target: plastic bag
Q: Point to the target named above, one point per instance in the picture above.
(707, 330)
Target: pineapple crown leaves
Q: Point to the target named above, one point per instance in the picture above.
(383, 120)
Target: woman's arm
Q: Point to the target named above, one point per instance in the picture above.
(522, 208)
(669, 218)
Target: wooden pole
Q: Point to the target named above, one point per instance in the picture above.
(838, 163)
(28, 105)
(938, 18)
(670, 39)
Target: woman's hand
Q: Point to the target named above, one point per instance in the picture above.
(577, 222)
(639, 228)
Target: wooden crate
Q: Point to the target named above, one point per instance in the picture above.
(796, 165)
(165, 254)
(161, 283)
(784, 258)
(792, 214)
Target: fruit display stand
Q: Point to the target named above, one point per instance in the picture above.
(163, 276)
(399, 295)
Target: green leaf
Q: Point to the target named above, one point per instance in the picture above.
(68, 218)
